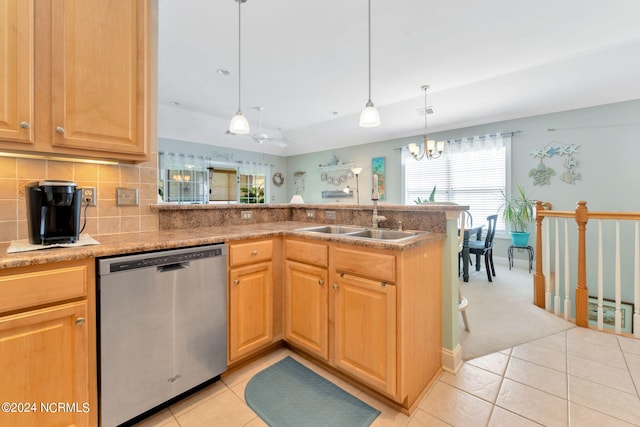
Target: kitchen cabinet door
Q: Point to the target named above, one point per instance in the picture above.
(306, 307)
(43, 354)
(99, 74)
(75, 78)
(365, 331)
(17, 71)
(250, 309)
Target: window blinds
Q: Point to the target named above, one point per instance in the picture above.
(471, 171)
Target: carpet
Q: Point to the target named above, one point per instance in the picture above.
(290, 394)
(501, 314)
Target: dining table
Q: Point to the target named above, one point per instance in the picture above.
(473, 231)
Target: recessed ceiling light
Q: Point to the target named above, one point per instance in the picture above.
(175, 103)
(223, 72)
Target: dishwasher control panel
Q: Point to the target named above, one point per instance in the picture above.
(157, 259)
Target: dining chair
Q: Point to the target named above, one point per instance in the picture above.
(485, 248)
(465, 222)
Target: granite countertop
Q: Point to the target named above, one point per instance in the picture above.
(117, 244)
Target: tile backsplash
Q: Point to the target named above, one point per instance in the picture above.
(105, 217)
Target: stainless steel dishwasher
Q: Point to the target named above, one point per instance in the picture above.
(162, 327)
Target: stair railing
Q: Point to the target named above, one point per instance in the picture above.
(547, 290)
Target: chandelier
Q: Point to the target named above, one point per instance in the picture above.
(430, 149)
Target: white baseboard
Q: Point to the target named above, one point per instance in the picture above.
(452, 359)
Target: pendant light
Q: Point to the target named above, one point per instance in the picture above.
(430, 149)
(239, 124)
(370, 117)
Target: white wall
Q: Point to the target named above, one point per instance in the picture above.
(361, 155)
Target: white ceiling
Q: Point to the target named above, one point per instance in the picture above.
(302, 61)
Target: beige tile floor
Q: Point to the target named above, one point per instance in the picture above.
(578, 377)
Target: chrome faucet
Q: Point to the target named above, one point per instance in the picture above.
(376, 218)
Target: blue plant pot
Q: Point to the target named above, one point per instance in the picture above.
(520, 238)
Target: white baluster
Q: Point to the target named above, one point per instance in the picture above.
(600, 269)
(545, 263)
(567, 301)
(636, 283)
(556, 276)
(618, 281)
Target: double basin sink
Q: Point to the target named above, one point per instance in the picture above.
(363, 233)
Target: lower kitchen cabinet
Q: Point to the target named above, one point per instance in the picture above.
(47, 345)
(306, 307)
(383, 321)
(251, 305)
(250, 309)
(365, 330)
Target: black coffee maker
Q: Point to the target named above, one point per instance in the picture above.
(53, 211)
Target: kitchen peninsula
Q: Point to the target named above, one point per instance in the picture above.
(400, 281)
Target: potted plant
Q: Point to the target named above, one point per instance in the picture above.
(518, 211)
(431, 199)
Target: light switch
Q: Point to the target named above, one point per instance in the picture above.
(126, 196)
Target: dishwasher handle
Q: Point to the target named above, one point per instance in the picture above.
(172, 267)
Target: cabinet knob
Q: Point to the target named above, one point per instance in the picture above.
(236, 282)
(80, 321)
(383, 284)
(341, 274)
(320, 282)
(254, 253)
(25, 125)
(60, 129)
(335, 286)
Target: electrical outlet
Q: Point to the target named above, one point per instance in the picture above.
(246, 214)
(311, 214)
(89, 195)
(330, 215)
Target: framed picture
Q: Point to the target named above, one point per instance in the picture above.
(609, 314)
(377, 168)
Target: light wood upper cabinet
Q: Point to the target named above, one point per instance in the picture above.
(16, 71)
(91, 84)
(306, 307)
(99, 75)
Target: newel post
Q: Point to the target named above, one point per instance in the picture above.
(582, 293)
(538, 277)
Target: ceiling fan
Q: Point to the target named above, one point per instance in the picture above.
(262, 137)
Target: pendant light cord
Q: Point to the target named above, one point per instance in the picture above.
(239, 50)
(369, 51)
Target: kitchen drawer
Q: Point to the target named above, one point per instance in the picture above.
(364, 263)
(33, 286)
(254, 251)
(308, 253)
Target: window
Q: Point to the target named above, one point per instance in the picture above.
(471, 171)
(251, 188)
(253, 182)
